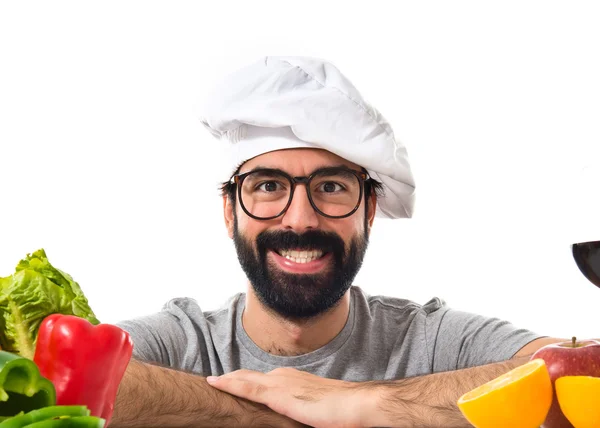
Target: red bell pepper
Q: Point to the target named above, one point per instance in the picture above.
(85, 362)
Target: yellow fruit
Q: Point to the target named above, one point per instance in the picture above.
(520, 398)
(579, 399)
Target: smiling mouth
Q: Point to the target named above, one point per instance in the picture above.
(301, 256)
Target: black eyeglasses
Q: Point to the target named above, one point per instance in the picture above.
(333, 192)
(587, 257)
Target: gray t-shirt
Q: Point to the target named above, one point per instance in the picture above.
(384, 338)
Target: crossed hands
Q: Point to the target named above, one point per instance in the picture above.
(301, 396)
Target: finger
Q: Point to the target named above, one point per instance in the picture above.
(243, 374)
(286, 371)
(291, 373)
(242, 388)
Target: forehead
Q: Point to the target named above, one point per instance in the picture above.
(300, 159)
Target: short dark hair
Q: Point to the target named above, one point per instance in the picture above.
(228, 188)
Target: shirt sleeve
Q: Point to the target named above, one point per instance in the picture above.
(467, 340)
(158, 338)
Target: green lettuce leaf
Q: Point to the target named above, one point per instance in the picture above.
(36, 289)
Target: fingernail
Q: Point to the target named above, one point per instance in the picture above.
(212, 379)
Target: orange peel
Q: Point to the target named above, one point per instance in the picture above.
(579, 399)
(520, 398)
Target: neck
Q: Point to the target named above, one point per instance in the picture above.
(279, 336)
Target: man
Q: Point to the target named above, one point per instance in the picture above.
(310, 166)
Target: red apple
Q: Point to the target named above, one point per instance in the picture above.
(574, 358)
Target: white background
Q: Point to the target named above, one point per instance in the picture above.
(104, 164)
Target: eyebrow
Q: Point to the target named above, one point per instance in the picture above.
(258, 167)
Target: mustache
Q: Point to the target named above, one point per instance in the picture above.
(310, 240)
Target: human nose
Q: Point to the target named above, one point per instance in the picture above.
(300, 215)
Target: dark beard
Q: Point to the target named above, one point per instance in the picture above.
(300, 296)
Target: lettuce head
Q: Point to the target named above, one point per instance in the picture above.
(36, 289)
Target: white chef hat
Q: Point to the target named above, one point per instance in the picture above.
(292, 102)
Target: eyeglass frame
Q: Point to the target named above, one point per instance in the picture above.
(362, 176)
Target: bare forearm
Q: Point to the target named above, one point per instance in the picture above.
(429, 400)
(152, 396)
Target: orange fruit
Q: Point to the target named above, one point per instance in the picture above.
(519, 398)
(579, 399)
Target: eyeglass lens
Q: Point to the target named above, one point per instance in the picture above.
(267, 193)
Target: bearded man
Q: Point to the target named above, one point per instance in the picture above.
(310, 166)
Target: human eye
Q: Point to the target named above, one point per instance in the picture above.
(330, 187)
(265, 181)
(269, 186)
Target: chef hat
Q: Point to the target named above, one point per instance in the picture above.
(292, 102)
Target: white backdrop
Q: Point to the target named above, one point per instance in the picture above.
(104, 164)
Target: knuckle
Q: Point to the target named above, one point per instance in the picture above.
(251, 390)
(246, 389)
(260, 390)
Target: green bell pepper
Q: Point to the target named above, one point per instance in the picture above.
(44, 414)
(75, 422)
(22, 387)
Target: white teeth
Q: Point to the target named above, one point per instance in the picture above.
(301, 256)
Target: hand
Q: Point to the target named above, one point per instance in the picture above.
(301, 396)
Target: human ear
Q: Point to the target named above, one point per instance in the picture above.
(372, 209)
(228, 215)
